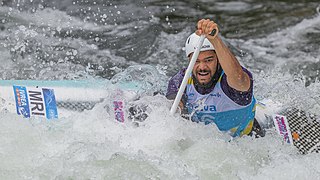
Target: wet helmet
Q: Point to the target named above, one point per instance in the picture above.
(192, 42)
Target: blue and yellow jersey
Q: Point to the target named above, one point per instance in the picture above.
(216, 107)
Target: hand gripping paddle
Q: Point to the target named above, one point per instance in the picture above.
(188, 72)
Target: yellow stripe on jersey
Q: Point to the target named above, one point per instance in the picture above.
(190, 80)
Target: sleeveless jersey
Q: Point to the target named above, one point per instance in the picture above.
(216, 107)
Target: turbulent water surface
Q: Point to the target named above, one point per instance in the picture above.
(277, 40)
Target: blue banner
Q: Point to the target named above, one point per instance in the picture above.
(35, 102)
(22, 103)
(50, 102)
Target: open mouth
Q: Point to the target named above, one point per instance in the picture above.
(203, 77)
(203, 73)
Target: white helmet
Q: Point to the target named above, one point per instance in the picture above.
(192, 43)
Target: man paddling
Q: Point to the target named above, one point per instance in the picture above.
(219, 90)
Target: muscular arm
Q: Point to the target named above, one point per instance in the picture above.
(236, 77)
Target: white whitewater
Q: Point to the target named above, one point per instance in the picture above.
(92, 145)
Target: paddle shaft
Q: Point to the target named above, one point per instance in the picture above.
(187, 75)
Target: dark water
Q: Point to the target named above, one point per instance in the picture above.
(151, 32)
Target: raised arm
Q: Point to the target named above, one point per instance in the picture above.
(236, 77)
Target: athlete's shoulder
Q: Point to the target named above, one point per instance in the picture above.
(239, 97)
(179, 75)
(174, 83)
(247, 71)
(223, 75)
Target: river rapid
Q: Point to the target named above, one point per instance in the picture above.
(278, 41)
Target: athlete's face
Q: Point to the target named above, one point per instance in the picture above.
(205, 66)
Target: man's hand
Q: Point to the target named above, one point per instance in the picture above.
(206, 27)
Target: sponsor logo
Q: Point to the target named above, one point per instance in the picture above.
(283, 129)
(22, 104)
(118, 110)
(190, 96)
(216, 95)
(211, 108)
(206, 108)
(35, 102)
(205, 46)
(50, 103)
